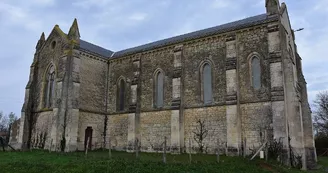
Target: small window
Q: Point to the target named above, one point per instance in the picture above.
(159, 90)
(53, 44)
(121, 95)
(256, 72)
(49, 87)
(207, 84)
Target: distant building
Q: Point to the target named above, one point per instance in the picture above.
(4, 135)
(14, 133)
(241, 79)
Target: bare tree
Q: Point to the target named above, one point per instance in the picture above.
(321, 113)
(3, 122)
(6, 121)
(200, 133)
(12, 118)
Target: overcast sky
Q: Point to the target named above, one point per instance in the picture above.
(120, 24)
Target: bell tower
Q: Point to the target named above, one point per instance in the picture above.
(272, 7)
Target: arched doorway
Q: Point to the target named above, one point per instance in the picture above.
(88, 134)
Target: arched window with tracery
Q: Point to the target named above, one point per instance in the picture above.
(159, 89)
(49, 87)
(207, 83)
(121, 95)
(256, 72)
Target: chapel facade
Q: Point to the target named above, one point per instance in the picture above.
(241, 82)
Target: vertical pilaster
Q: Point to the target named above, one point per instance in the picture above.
(60, 108)
(134, 118)
(131, 132)
(233, 124)
(277, 89)
(279, 118)
(55, 119)
(176, 113)
(72, 119)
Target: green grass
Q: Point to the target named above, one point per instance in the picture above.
(323, 161)
(45, 162)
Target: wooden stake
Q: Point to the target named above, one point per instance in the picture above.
(257, 152)
(266, 146)
(50, 146)
(244, 146)
(190, 159)
(87, 147)
(164, 150)
(217, 151)
(226, 148)
(136, 145)
(109, 148)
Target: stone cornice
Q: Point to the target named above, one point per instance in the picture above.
(92, 111)
(44, 110)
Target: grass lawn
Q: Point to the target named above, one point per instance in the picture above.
(41, 161)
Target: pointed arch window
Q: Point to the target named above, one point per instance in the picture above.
(159, 90)
(49, 87)
(121, 95)
(256, 72)
(207, 83)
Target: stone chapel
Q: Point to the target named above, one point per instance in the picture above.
(241, 81)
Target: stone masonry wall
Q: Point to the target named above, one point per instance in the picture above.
(249, 42)
(118, 131)
(119, 69)
(41, 131)
(48, 55)
(256, 117)
(213, 51)
(96, 121)
(154, 126)
(215, 122)
(93, 84)
(162, 60)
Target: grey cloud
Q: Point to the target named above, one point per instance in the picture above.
(120, 24)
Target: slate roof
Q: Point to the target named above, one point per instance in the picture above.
(247, 22)
(244, 23)
(95, 49)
